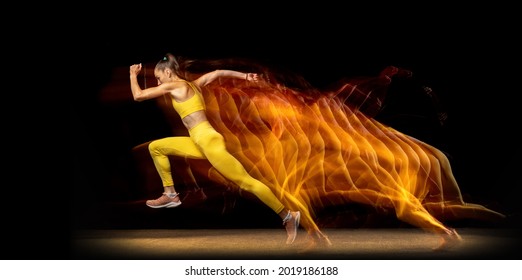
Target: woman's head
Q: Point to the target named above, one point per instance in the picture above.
(167, 67)
(169, 61)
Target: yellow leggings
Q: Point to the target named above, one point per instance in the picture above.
(206, 143)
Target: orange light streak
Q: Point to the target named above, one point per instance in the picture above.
(327, 152)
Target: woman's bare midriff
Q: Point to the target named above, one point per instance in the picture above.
(194, 118)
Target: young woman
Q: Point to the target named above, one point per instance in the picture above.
(203, 142)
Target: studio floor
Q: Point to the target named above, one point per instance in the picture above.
(381, 243)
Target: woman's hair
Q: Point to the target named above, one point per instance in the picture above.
(189, 69)
(169, 61)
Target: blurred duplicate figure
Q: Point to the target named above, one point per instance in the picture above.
(203, 142)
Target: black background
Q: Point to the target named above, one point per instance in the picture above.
(469, 55)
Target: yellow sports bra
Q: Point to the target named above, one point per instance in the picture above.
(191, 105)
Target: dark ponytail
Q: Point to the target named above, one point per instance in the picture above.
(169, 61)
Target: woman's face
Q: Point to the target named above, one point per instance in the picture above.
(162, 76)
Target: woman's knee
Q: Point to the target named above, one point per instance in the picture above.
(247, 187)
(253, 186)
(154, 148)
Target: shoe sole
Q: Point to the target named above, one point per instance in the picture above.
(297, 219)
(168, 205)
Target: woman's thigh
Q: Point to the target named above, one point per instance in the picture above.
(181, 146)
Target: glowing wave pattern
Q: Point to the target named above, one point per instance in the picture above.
(325, 151)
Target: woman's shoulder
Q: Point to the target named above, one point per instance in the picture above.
(177, 84)
(177, 88)
(182, 83)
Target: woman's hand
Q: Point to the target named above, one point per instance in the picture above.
(252, 77)
(135, 69)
